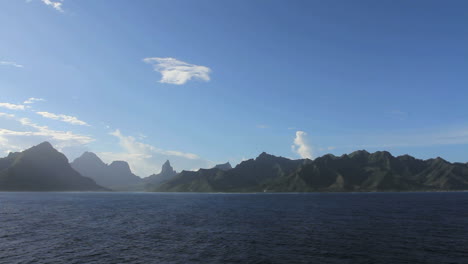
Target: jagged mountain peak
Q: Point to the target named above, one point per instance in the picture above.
(265, 156)
(42, 147)
(167, 172)
(45, 145)
(223, 166)
(167, 168)
(44, 152)
(89, 157)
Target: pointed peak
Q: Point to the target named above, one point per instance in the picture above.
(88, 154)
(167, 169)
(265, 155)
(89, 158)
(167, 164)
(439, 159)
(45, 151)
(45, 144)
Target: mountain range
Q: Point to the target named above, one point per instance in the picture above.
(356, 172)
(43, 168)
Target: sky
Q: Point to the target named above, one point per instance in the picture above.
(206, 82)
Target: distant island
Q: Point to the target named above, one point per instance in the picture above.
(42, 168)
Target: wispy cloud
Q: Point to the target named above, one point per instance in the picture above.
(145, 159)
(57, 5)
(54, 134)
(64, 118)
(11, 63)
(174, 71)
(12, 140)
(301, 145)
(32, 100)
(13, 106)
(262, 126)
(6, 115)
(132, 145)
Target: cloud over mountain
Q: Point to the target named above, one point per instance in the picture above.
(301, 145)
(145, 159)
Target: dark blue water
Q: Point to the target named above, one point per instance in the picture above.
(233, 228)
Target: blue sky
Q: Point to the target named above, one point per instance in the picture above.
(205, 82)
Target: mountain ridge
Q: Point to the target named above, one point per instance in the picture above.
(43, 168)
(354, 172)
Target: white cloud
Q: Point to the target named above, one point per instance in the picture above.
(11, 63)
(301, 145)
(174, 71)
(262, 126)
(64, 118)
(145, 159)
(56, 5)
(63, 136)
(12, 106)
(6, 115)
(133, 146)
(11, 140)
(32, 100)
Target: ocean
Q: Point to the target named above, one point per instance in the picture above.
(234, 228)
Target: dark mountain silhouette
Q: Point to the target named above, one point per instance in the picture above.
(117, 175)
(167, 172)
(248, 176)
(42, 168)
(358, 171)
(225, 166)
